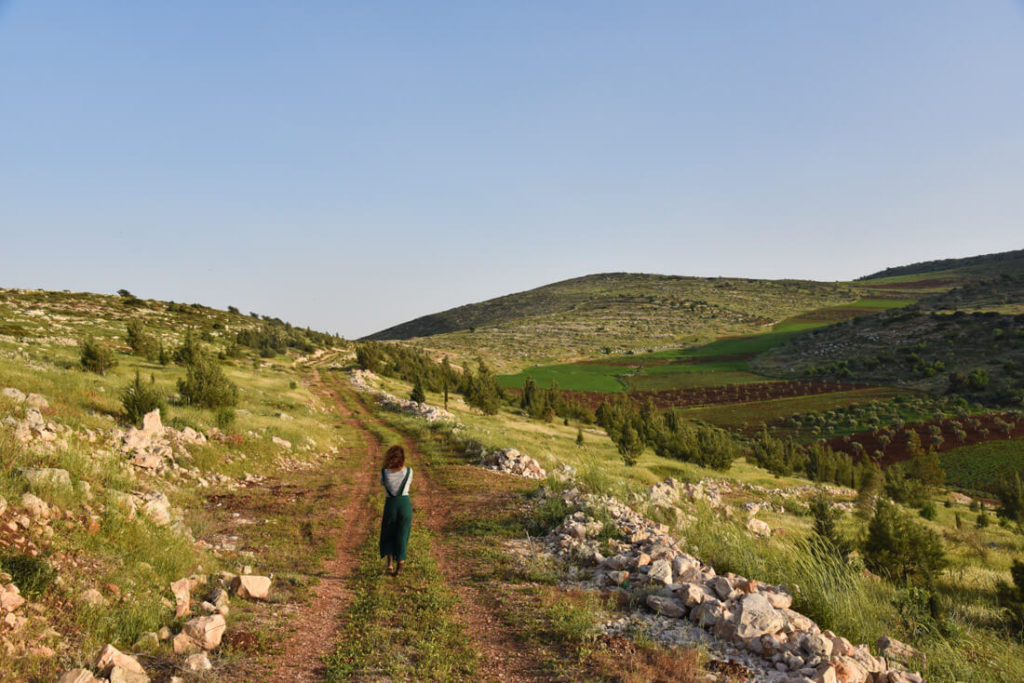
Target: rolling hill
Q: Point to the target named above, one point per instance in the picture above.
(615, 313)
(971, 267)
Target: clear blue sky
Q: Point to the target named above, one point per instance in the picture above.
(350, 165)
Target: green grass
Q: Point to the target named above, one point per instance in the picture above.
(574, 377)
(401, 628)
(719, 362)
(985, 466)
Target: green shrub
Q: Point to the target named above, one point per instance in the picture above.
(417, 393)
(1011, 597)
(205, 385)
(96, 358)
(225, 417)
(928, 511)
(547, 516)
(139, 398)
(32, 575)
(141, 342)
(899, 549)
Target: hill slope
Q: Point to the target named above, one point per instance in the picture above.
(615, 312)
(912, 348)
(982, 266)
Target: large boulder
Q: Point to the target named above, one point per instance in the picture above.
(890, 648)
(249, 586)
(46, 476)
(151, 424)
(759, 528)
(13, 394)
(35, 506)
(110, 657)
(182, 591)
(660, 572)
(668, 607)
(78, 676)
(206, 632)
(756, 617)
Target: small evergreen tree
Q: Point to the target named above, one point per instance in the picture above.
(164, 357)
(579, 437)
(1011, 597)
(630, 445)
(141, 343)
(189, 352)
(139, 398)
(418, 394)
(826, 526)
(926, 468)
(207, 386)
(95, 357)
(1011, 495)
(899, 549)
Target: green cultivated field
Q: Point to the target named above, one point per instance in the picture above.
(985, 466)
(721, 362)
(574, 377)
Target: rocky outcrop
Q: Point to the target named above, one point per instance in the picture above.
(511, 461)
(743, 619)
(253, 587)
(360, 379)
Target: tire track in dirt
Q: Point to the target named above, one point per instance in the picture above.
(502, 656)
(314, 629)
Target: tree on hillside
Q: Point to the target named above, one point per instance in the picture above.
(900, 549)
(630, 446)
(1011, 596)
(447, 377)
(139, 398)
(417, 393)
(826, 526)
(205, 385)
(1011, 495)
(482, 390)
(96, 358)
(141, 342)
(189, 352)
(926, 468)
(579, 437)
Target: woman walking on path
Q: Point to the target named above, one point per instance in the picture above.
(397, 520)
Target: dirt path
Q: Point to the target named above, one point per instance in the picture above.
(502, 656)
(315, 627)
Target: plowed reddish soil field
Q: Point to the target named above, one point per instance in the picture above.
(729, 393)
(976, 429)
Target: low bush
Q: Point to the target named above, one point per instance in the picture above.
(205, 385)
(95, 357)
(32, 575)
(139, 398)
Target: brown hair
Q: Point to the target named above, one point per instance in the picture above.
(395, 458)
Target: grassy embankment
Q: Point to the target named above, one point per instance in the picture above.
(131, 561)
(972, 643)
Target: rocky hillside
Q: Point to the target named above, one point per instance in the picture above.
(108, 543)
(971, 267)
(978, 355)
(615, 312)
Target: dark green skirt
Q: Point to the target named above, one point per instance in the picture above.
(395, 526)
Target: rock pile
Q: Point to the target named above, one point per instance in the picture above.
(400, 405)
(360, 379)
(743, 618)
(511, 461)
